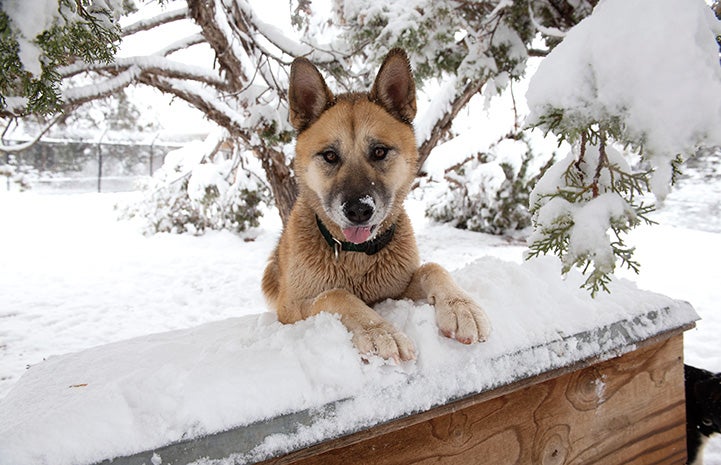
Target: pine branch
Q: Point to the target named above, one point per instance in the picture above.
(580, 186)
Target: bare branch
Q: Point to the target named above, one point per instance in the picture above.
(277, 170)
(537, 52)
(272, 34)
(129, 70)
(281, 179)
(25, 145)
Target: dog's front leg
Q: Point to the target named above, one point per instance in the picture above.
(372, 335)
(458, 316)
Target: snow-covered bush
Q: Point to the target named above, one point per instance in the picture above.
(643, 75)
(200, 187)
(705, 165)
(16, 174)
(488, 192)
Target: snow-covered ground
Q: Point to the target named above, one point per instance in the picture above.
(72, 277)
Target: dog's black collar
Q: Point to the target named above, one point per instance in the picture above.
(369, 247)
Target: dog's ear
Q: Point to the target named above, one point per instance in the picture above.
(308, 94)
(394, 88)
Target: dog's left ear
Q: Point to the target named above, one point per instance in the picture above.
(394, 88)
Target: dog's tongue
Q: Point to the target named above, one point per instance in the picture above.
(357, 234)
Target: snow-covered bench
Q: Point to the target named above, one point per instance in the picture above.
(563, 376)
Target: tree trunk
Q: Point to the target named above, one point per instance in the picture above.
(281, 180)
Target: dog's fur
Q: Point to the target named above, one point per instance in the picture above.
(355, 161)
(703, 410)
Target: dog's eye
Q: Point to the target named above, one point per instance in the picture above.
(707, 421)
(330, 156)
(379, 152)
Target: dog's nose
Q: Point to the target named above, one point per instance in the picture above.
(359, 211)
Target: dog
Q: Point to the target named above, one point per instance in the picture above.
(348, 242)
(703, 410)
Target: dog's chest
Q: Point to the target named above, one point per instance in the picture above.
(370, 278)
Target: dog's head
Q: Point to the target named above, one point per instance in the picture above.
(356, 154)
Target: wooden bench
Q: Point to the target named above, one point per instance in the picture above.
(627, 410)
(622, 406)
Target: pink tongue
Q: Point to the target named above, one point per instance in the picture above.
(357, 234)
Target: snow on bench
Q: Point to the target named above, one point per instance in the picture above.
(250, 388)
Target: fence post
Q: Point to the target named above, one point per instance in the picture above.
(100, 159)
(152, 152)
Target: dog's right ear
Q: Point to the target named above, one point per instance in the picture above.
(308, 94)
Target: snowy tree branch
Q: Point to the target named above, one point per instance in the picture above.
(443, 124)
(159, 20)
(281, 41)
(151, 64)
(181, 44)
(79, 95)
(204, 100)
(215, 29)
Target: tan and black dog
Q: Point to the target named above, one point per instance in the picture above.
(348, 242)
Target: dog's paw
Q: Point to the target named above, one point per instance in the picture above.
(462, 319)
(384, 341)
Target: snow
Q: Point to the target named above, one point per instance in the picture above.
(157, 389)
(94, 281)
(75, 282)
(142, 19)
(368, 200)
(161, 388)
(669, 102)
(430, 110)
(173, 67)
(30, 18)
(590, 233)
